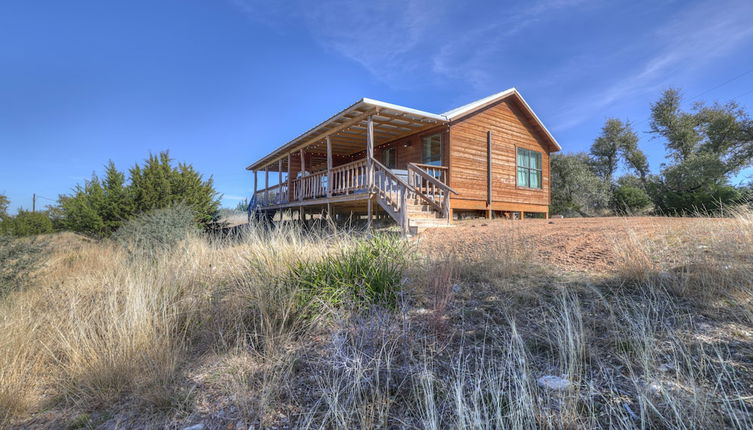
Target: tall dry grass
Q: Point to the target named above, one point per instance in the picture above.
(708, 260)
(100, 325)
(631, 345)
(649, 345)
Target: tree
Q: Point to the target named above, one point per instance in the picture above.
(4, 203)
(117, 204)
(81, 212)
(242, 206)
(159, 185)
(101, 206)
(27, 223)
(575, 187)
(706, 146)
(617, 142)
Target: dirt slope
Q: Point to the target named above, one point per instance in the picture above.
(573, 243)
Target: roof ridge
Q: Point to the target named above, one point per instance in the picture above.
(470, 106)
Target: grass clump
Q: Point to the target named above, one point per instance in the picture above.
(157, 231)
(369, 272)
(18, 259)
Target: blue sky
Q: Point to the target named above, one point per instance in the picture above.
(221, 82)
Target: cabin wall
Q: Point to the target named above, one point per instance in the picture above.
(409, 149)
(510, 129)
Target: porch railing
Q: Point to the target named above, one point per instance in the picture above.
(273, 195)
(438, 172)
(425, 179)
(392, 194)
(310, 187)
(349, 178)
(424, 182)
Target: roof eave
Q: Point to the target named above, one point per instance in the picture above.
(364, 102)
(486, 101)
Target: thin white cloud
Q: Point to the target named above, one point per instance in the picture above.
(409, 43)
(382, 36)
(689, 41)
(475, 56)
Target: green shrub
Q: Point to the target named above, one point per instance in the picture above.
(18, 259)
(157, 231)
(26, 223)
(630, 199)
(370, 272)
(100, 206)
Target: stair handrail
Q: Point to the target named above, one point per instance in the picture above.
(446, 189)
(406, 188)
(392, 175)
(423, 173)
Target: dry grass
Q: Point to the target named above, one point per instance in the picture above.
(100, 325)
(213, 332)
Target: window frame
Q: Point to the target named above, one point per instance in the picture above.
(393, 151)
(423, 139)
(528, 169)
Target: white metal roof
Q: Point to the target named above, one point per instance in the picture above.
(404, 109)
(409, 115)
(402, 121)
(461, 111)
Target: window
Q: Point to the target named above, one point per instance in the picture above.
(388, 158)
(432, 150)
(529, 168)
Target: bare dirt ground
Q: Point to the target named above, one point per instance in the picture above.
(587, 244)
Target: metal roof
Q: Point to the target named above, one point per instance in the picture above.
(471, 107)
(347, 128)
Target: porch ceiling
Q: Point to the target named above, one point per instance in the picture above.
(348, 131)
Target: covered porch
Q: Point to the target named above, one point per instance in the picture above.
(336, 162)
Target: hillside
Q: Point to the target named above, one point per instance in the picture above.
(565, 323)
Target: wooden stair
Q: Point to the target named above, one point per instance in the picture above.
(412, 208)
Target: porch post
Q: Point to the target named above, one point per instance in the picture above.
(370, 152)
(329, 167)
(369, 212)
(303, 169)
(279, 181)
(256, 182)
(266, 184)
(290, 169)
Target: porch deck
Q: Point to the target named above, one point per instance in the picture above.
(418, 192)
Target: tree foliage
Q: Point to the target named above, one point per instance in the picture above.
(630, 196)
(158, 185)
(4, 203)
(99, 207)
(706, 145)
(26, 223)
(576, 189)
(617, 143)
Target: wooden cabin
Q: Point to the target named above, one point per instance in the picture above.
(489, 157)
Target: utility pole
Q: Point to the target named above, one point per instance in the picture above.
(34, 202)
